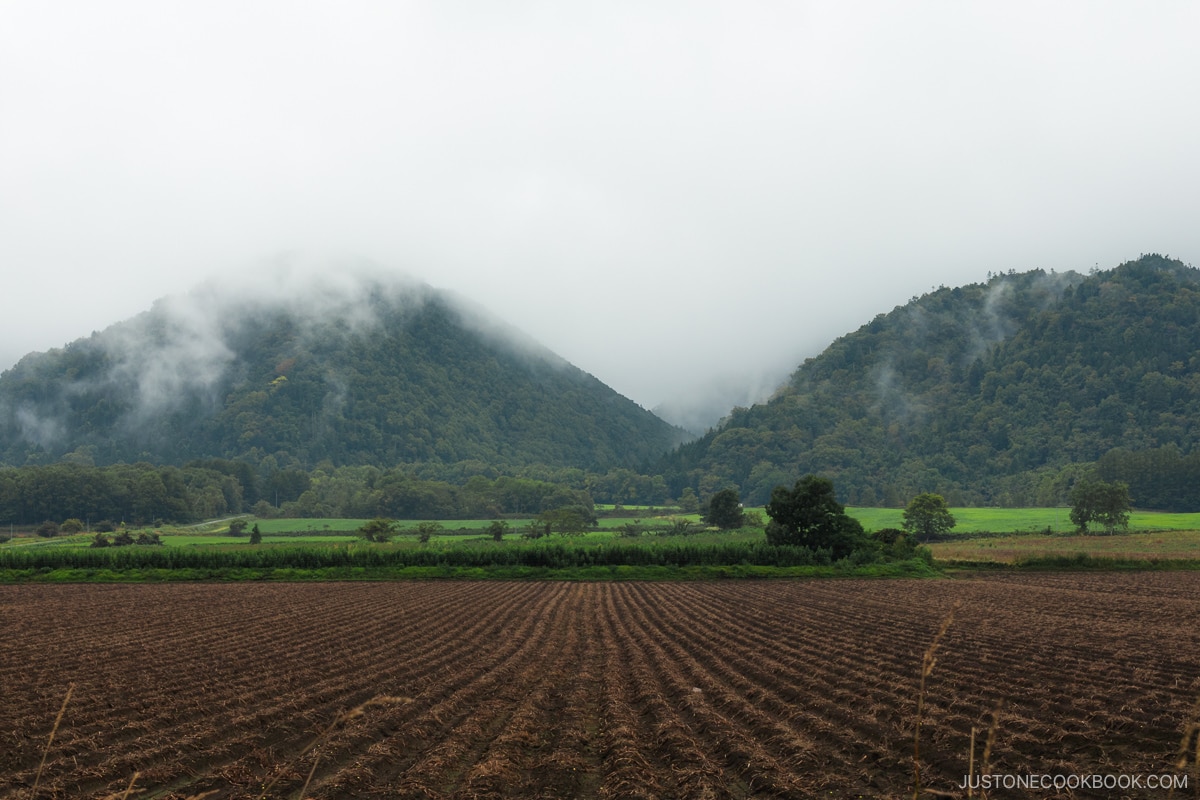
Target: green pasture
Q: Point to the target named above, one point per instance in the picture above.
(1023, 520)
(605, 508)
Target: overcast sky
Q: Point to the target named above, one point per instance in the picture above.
(658, 191)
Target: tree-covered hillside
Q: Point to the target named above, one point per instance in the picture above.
(382, 375)
(995, 393)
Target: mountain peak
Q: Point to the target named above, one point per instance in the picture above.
(357, 367)
(990, 393)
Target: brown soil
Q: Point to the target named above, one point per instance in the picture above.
(606, 690)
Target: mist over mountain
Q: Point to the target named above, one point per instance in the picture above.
(1002, 393)
(355, 367)
(705, 406)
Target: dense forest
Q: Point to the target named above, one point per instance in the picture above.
(144, 493)
(386, 376)
(999, 393)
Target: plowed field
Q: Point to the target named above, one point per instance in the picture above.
(772, 689)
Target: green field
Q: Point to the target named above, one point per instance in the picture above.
(1023, 520)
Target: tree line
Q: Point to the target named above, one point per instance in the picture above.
(144, 493)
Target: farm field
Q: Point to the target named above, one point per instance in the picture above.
(1159, 545)
(593, 690)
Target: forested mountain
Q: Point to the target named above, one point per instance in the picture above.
(995, 393)
(365, 372)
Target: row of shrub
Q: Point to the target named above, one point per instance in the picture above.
(556, 555)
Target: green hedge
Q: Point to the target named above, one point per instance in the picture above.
(552, 555)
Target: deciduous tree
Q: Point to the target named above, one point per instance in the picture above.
(379, 529)
(927, 515)
(724, 510)
(497, 529)
(809, 515)
(426, 530)
(1102, 502)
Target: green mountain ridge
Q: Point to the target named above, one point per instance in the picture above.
(1000, 393)
(384, 373)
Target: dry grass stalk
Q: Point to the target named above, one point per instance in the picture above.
(1189, 750)
(971, 764)
(344, 717)
(57, 721)
(927, 665)
(986, 766)
(129, 788)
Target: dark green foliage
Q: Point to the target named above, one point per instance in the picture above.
(412, 378)
(927, 516)
(188, 494)
(568, 520)
(497, 530)
(1106, 504)
(536, 529)
(138, 493)
(379, 529)
(809, 515)
(888, 536)
(724, 510)
(125, 539)
(1159, 478)
(255, 535)
(427, 530)
(48, 529)
(631, 530)
(71, 525)
(554, 553)
(987, 394)
(237, 527)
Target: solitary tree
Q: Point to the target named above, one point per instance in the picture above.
(927, 515)
(497, 529)
(237, 527)
(568, 520)
(809, 515)
(724, 510)
(1098, 501)
(426, 530)
(379, 529)
(255, 535)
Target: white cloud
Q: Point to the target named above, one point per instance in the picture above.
(657, 191)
